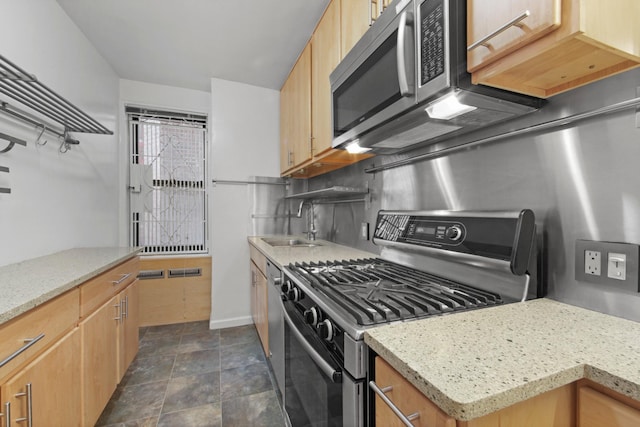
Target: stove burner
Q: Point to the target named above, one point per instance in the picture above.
(377, 291)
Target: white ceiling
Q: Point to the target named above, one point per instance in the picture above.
(184, 43)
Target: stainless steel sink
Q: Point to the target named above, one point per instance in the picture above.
(294, 243)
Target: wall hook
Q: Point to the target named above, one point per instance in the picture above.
(67, 142)
(40, 137)
(12, 141)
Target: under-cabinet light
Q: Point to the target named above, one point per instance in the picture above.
(447, 108)
(355, 148)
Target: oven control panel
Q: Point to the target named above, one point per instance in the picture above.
(505, 235)
(419, 230)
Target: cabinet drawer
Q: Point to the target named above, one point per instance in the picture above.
(50, 320)
(96, 291)
(258, 259)
(407, 398)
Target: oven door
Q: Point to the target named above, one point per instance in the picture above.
(318, 392)
(376, 80)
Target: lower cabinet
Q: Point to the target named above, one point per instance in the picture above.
(46, 392)
(596, 409)
(259, 305)
(109, 342)
(555, 408)
(407, 399)
(128, 335)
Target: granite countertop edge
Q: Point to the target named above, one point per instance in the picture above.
(325, 251)
(29, 271)
(592, 366)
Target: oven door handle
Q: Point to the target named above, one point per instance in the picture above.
(334, 375)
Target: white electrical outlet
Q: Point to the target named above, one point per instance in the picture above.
(617, 266)
(592, 263)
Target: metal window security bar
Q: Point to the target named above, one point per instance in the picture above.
(168, 175)
(18, 84)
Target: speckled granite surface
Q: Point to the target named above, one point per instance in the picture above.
(475, 363)
(30, 283)
(327, 251)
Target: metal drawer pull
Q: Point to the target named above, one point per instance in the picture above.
(122, 279)
(29, 417)
(515, 22)
(28, 343)
(406, 419)
(6, 414)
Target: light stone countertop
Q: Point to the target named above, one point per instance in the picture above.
(477, 362)
(28, 284)
(326, 251)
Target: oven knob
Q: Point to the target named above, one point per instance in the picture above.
(294, 295)
(312, 316)
(286, 287)
(454, 232)
(277, 281)
(325, 329)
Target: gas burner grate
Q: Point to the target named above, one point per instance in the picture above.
(376, 291)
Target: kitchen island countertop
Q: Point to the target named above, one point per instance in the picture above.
(30, 283)
(325, 251)
(474, 363)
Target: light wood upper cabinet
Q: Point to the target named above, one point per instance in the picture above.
(354, 23)
(305, 98)
(531, 20)
(296, 133)
(325, 56)
(51, 383)
(594, 40)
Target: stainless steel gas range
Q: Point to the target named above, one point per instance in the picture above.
(432, 263)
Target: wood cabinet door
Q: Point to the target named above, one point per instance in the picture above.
(300, 115)
(355, 21)
(408, 399)
(254, 293)
(325, 56)
(485, 17)
(262, 300)
(286, 109)
(54, 387)
(128, 328)
(99, 359)
(596, 409)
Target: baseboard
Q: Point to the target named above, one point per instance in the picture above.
(229, 323)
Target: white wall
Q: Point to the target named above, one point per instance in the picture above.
(156, 96)
(245, 135)
(58, 201)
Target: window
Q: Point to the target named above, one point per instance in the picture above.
(168, 173)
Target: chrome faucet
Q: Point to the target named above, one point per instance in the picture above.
(311, 232)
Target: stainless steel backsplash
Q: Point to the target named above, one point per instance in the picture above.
(582, 181)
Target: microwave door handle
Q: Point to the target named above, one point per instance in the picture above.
(406, 19)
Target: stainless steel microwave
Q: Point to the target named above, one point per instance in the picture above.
(405, 82)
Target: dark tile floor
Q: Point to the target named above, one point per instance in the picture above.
(187, 375)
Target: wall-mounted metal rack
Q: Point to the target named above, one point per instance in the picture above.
(19, 85)
(337, 191)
